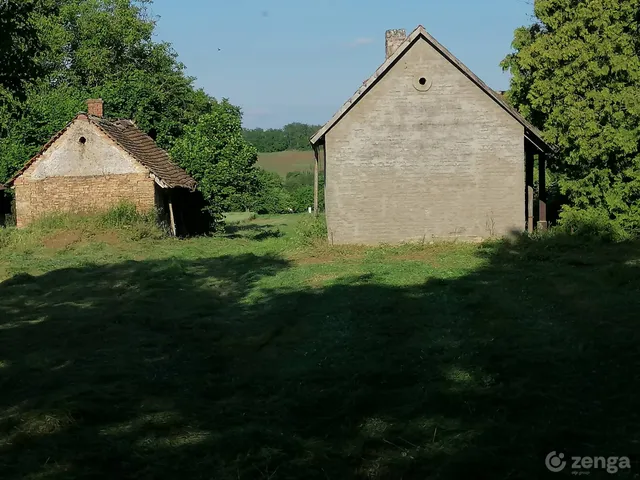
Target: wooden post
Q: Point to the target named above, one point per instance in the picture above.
(172, 219)
(542, 192)
(315, 180)
(529, 187)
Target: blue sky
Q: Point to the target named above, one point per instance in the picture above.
(298, 60)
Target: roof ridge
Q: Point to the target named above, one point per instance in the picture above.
(161, 166)
(534, 135)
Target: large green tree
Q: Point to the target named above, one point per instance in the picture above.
(20, 43)
(216, 155)
(576, 74)
(93, 48)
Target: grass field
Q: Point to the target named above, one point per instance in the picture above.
(285, 162)
(261, 355)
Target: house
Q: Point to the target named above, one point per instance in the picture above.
(94, 163)
(425, 150)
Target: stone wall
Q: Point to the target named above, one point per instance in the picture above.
(425, 154)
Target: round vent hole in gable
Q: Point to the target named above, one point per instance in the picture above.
(422, 83)
(82, 140)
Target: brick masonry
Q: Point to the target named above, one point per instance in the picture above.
(82, 195)
(416, 161)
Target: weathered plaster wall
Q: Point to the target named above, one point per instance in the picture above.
(68, 157)
(413, 161)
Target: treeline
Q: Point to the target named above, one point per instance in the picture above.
(294, 136)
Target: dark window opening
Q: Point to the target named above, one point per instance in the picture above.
(422, 81)
(82, 140)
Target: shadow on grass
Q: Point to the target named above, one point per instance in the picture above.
(252, 231)
(175, 368)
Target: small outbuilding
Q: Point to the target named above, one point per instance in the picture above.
(93, 164)
(425, 150)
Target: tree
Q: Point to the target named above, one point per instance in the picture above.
(576, 75)
(96, 48)
(270, 195)
(20, 43)
(215, 154)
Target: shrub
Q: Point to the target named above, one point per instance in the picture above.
(269, 195)
(302, 198)
(593, 223)
(5, 236)
(300, 187)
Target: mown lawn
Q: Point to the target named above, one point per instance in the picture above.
(256, 356)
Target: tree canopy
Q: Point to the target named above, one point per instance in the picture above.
(83, 49)
(576, 75)
(216, 155)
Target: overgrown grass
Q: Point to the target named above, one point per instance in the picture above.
(312, 230)
(256, 356)
(123, 220)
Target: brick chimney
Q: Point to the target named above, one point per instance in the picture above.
(95, 107)
(394, 39)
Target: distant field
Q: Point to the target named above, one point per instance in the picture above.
(285, 162)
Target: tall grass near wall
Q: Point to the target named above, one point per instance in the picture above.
(123, 219)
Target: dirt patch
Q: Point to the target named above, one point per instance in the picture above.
(110, 238)
(314, 260)
(63, 239)
(325, 255)
(427, 257)
(326, 259)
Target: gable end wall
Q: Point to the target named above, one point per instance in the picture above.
(412, 162)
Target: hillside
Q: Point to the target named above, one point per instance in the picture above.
(288, 161)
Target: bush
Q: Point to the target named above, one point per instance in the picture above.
(270, 195)
(302, 198)
(592, 223)
(300, 187)
(5, 236)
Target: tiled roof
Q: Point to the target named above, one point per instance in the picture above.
(137, 144)
(142, 147)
